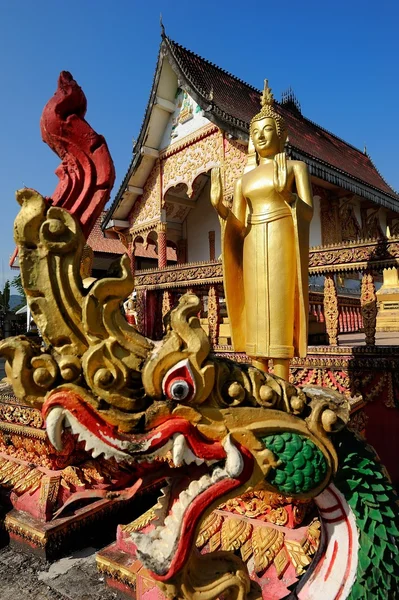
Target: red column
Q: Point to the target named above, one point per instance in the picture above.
(162, 257)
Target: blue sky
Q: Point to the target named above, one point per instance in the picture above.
(339, 57)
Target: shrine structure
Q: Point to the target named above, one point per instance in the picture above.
(198, 118)
(264, 492)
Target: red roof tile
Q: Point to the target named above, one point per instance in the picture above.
(99, 243)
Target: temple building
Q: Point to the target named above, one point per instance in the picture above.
(198, 118)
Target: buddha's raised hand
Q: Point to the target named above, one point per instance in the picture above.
(280, 172)
(217, 193)
(280, 178)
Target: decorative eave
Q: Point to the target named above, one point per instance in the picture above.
(335, 176)
(141, 151)
(223, 120)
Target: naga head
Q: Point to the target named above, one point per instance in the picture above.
(169, 412)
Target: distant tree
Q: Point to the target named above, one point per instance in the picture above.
(17, 284)
(5, 298)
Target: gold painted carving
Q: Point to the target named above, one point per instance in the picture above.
(266, 543)
(349, 223)
(185, 340)
(184, 167)
(167, 303)
(141, 521)
(85, 331)
(368, 302)
(148, 206)
(234, 533)
(235, 156)
(298, 556)
(213, 314)
(209, 527)
(210, 576)
(281, 562)
(331, 309)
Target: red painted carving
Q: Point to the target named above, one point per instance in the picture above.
(86, 172)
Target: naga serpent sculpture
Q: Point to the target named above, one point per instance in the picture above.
(170, 410)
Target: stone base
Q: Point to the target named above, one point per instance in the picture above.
(387, 320)
(53, 539)
(120, 571)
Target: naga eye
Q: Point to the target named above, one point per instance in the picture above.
(179, 383)
(179, 389)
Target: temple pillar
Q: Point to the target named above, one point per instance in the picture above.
(368, 302)
(213, 314)
(331, 309)
(132, 256)
(162, 249)
(211, 237)
(140, 311)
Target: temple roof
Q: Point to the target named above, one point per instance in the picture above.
(236, 102)
(99, 243)
(230, 103)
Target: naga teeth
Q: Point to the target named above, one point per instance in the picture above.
(162, 505)
(234, 462)
(182, 454)
(179, 446)
(54, 426)
(59, 418)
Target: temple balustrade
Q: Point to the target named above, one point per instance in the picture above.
(331, 312)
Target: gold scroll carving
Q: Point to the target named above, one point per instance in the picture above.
(185, 166)
(368, 302)
(331, 309)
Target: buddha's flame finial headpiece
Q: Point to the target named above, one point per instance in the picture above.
(268, 111)
(267, 95)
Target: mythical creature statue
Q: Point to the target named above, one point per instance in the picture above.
(172, 412)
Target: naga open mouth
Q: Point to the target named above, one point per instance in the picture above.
(199, 471)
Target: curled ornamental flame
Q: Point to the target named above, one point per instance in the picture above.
(86, 172)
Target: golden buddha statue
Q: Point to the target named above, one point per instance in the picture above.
(265, 247)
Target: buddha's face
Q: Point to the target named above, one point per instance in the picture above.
(265, 137)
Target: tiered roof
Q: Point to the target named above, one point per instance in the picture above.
(231, 103)
(236, 102)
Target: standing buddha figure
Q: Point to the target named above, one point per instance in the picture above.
(266, 246)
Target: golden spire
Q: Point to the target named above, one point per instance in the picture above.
(267, 96)
(268, 110)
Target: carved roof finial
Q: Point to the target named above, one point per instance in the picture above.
(163, 34)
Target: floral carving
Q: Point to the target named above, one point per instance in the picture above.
(331, 309)
(368, 301)
(148, 206)
(184, 167)
(235, 155)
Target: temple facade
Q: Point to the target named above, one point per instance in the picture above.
(198, 118)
